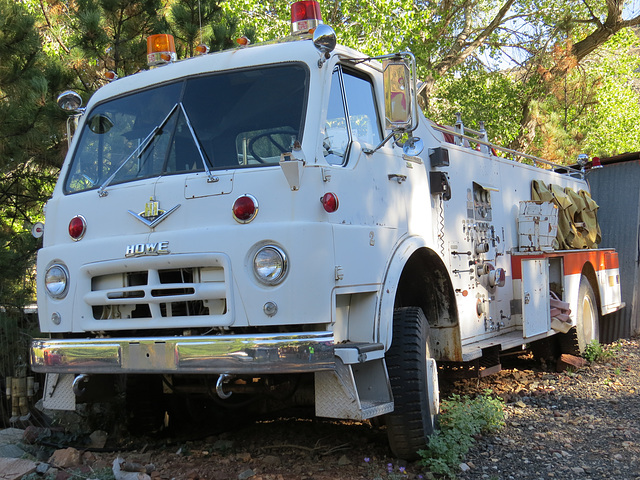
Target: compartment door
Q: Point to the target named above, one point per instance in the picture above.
(536, 318)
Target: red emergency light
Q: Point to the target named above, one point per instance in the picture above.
(305, 16)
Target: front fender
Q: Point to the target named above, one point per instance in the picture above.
(390, 286)
(417, 277)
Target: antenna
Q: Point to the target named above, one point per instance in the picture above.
(200, 21)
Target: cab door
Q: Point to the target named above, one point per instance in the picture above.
(370, 187)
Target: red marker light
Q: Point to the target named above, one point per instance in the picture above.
(245, 208)
(330, 202)
(77, 227)
(305, 15)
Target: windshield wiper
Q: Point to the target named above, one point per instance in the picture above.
(210, 177)
(140, 149)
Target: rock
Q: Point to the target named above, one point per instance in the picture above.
(223, 445)
(11, 451)
(65, 458)
(32, 434)
(11, 436)
(15, 468)
(271, 460)
(246, 474)
(98, 439)
(42, 468)
(577, 470)
(120, 474)
(569, 361)
(344, 460)
(244, 457)
(464, 467)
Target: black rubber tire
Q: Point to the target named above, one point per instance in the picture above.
(588, 316)
(587, 321)
(411, 422)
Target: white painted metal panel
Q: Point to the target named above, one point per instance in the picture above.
(535, 297)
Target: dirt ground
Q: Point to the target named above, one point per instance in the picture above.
(579, 424)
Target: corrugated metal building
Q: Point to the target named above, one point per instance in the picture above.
(616, 188)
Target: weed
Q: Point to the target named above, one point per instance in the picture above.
(616, 371)
(390, 472)
(596, 352)
(462, 418)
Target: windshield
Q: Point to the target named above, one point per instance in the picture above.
(238, 119)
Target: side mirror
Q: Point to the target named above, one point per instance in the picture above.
(324, 38)
(400, 103)
(398, 94)
(70, 101)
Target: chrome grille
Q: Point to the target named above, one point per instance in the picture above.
(158, 293)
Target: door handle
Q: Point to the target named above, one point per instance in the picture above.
(397, 177)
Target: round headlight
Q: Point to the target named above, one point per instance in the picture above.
(270, 265)
(56, 281)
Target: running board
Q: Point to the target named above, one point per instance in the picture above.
(354, 391)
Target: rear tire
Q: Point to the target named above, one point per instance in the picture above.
(588, 323)
(587, 326)
(414, 383)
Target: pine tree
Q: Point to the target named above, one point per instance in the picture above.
(31, 142)
(111, 34)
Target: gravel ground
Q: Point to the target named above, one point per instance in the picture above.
(573, 425)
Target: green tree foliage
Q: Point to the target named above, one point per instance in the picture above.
(189, 17)
(112, 33)
(612, 125)
(590, 105)
(480, 96)
(31, 146)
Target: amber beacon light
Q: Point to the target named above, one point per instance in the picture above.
(161, 49)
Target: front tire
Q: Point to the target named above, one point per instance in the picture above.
(414, 382)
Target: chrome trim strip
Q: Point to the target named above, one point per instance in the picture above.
(217, 354)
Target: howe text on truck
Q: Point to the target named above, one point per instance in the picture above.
(279, 224)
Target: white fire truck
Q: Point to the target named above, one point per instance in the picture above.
(280, 221)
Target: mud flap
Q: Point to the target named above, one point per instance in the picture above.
(58, 392)
(355, 392)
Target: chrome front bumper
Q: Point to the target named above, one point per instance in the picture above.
(217, 354)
